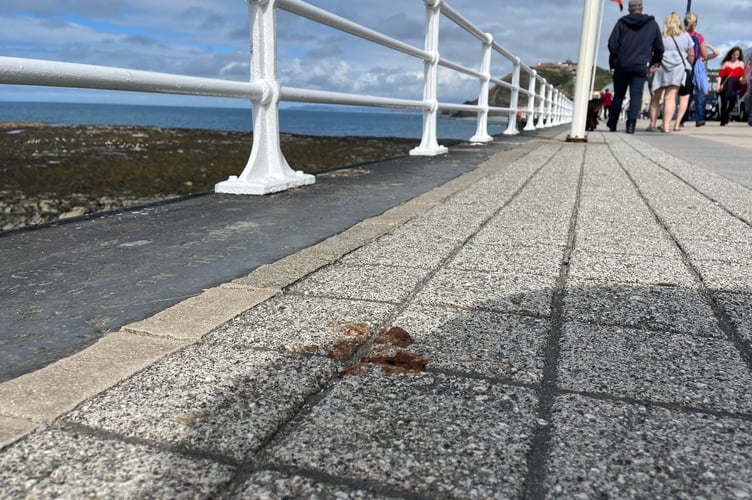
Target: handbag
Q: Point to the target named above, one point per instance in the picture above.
(721, 85)
(699, 73)
(686, 86)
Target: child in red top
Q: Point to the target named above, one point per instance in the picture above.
(607, 97)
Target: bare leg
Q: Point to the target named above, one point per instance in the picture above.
(669, 106)
(655, 103)
(683, 105)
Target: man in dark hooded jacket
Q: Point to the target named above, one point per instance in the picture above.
(634, 42)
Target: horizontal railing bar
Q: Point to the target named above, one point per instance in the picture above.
(463, 23)
(321, 16)
(450, 106)
(496, 109)
(460, 69)
(502, 83)
(525, 67)
(21, 71)
(293, 94)
(473, 108)
(504, 52)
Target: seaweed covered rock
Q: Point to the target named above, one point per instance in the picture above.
(50, 173)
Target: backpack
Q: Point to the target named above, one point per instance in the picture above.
(699, 74)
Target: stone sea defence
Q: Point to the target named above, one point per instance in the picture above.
(55, 172)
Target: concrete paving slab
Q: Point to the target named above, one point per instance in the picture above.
(425, 251)
(629, 210)
(423, 228)
(738, 307)
(273, 484)
(193, 318)
(726, 276)
(305, 324)
(612, 449)
(283, 272)
(633, 240)
(521, 233)
(456, 219)
(478, 343)
(208, 400)
(43, 395)
(710, 149)
(601, 222)
(714, 249)
(12, 429)
(525, 226)
(366, 282)
(649, 270)
(655, 366)
(59, 464)
(706, 226)
(650, 307)
(538, 259)
(421, 434)
(501, 292)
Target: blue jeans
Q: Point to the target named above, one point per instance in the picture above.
(699, 106)
(623, 80)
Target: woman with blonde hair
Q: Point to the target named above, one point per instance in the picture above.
(678, 57)
(703, 52)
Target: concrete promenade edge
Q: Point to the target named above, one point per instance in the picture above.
(565, 320)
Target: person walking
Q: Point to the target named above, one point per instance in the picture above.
(730, 80)
(607, 98)
(672, 73)
(703, 52)
(635, 43)
(747, 78)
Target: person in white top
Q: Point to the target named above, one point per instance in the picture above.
(678, 57)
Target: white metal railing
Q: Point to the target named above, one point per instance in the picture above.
(267, 171)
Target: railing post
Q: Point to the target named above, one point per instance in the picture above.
(530, 125)
(512, 125)
(429, 145)
(550, 106)
(481, 132)
(554, 108)
(267, 170)
(542, 106)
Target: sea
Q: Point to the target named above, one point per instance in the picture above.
(315, 121)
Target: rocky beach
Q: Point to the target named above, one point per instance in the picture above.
(51, 173)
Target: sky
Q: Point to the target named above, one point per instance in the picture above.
(210, 38)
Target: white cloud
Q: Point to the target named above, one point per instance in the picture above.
(210, 38)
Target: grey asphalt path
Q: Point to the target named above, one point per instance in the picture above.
(563, 321)
(63, 287)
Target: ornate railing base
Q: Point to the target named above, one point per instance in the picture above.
(236, 185)
(433, 151)
(481, 139)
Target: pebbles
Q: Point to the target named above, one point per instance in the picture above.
(19, 210)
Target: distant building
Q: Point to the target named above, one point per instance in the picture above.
(569, 65)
